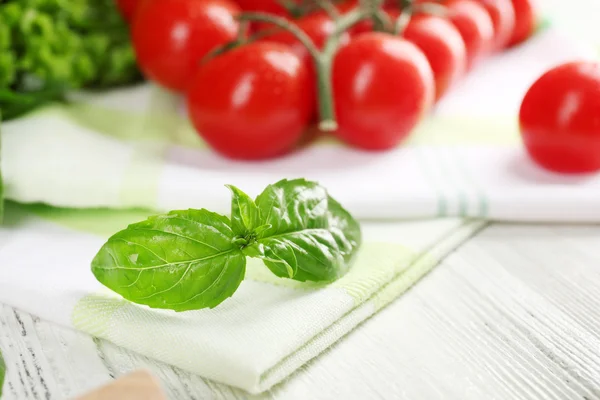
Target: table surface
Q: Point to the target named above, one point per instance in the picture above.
(513, 314)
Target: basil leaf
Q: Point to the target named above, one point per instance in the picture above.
(184, 260)
(311, 236)
(244, 212)
(2, 372)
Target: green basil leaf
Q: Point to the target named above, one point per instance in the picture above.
(244, 212)
(184, 260)
(311, 236)
(2, 372)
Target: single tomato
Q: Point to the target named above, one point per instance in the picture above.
(253, 102)
(475, 26)
(443, 46)
(525, 23)
(383, 86)
(503, 17)
(171, 37)
(560, 118)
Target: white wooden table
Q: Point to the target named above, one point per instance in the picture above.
(513, 314)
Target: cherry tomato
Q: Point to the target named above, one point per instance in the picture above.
(503, 17)
(560, 118)
(443, 46)
(475, 26)
(171, 37)
(383, 85)
(525, 21)
(252, 102)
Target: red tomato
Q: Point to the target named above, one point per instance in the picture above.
(560, 118)
(443, 46)
(525, 21)
(252, 102)
(503, 17)
(383, 85)
(171, 37)
(475, 26)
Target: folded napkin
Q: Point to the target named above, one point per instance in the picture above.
(135, 148)
(268, 329)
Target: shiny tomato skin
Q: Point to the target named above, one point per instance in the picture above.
(503, 17)
(560, 119)
(525, 23)
(383, 86)
(443, 46)
(474, 25)
(171, 37)
(252, 102)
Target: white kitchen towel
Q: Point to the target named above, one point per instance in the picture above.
(135, 148)
(268, 329)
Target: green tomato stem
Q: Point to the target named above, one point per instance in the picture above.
(329, 8)
(328, 122)
(283, 24)
(381, 21)
(402, 21)
(243, 31)
(430, 9)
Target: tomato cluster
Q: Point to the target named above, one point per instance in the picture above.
(254, 88)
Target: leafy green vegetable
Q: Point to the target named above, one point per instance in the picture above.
(244, 212)
(184, 260)
(2, 372)
(50, 46)
(187, 260)
(311, 236)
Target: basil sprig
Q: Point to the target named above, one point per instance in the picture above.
(194, 259)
